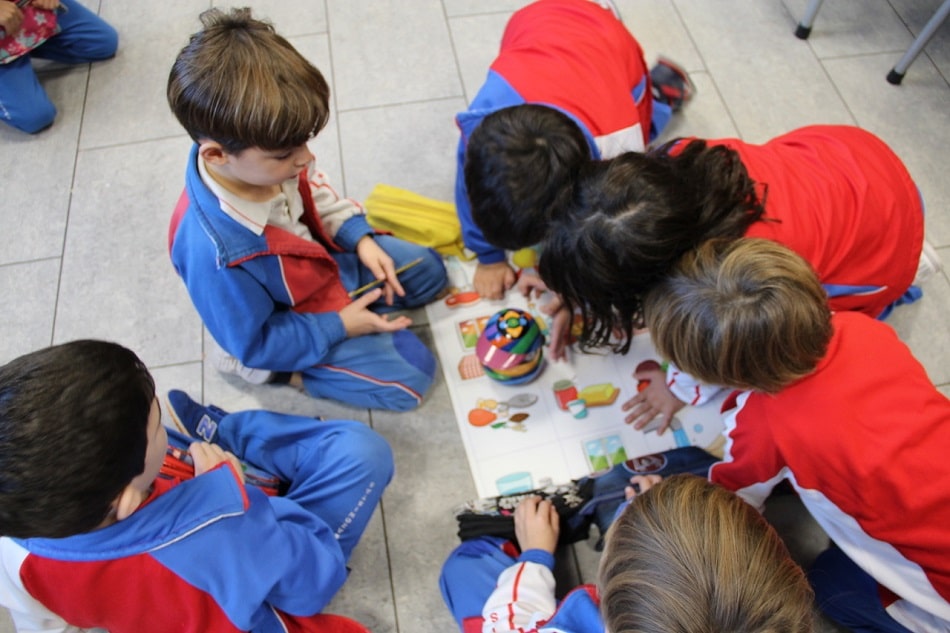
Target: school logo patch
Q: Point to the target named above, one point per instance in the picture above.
(646, 464)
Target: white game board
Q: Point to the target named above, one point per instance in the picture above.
(517, 437)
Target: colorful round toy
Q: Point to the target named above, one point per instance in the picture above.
(510, 347)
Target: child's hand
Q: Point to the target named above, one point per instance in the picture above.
(653, 400)
(537, 524)
(528, 283)
(643, 483)
(560, 330)
(358, 319)
(492, 281)
(49, 5)
(11, 18)
(206, 456)
(381, 265)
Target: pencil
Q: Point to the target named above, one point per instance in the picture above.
(380, 282)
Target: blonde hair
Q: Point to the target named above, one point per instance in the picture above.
(690, 556)
(747, 314)
(239, 83)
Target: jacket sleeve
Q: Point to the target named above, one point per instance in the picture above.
(254, 553)
(524, 595)
(751, 466)
(335, 211)
(687, 388)
(241, 314)
(29, 615)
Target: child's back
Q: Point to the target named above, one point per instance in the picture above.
(99, 533)
(835, 403)
(569, 83)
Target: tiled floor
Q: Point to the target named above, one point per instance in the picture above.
(85, 205)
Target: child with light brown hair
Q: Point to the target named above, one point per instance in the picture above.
(684, 555)
(835, 403)
(273, 257)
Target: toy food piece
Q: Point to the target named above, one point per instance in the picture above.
(522, 400)
(466, 298)
(649, 365)
(599, 395)
(481, 417)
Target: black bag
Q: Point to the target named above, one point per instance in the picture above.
(581, 502)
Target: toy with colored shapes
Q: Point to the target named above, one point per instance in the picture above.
(510, 347)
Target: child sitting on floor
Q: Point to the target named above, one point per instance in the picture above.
(100, 530)
(270, 253)
(685, 555)
(836, 404)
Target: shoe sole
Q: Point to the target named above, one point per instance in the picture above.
(930, 263)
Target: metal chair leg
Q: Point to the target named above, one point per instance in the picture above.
(803, 30)
(897, 73)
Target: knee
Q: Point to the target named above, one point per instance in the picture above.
(430, 279)
(371, 452)
(102, 45)
(435, 274)
(107, 44)
(35, 118)
(416, 354)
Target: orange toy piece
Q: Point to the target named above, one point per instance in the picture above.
(481, 417)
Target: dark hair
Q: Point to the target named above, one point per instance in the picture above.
(746, 314)
(630, 218)
(688, 555)
(73, 434)
(519, 163)
(239, 83)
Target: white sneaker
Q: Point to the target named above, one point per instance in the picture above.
(929, 265)
(227, 364)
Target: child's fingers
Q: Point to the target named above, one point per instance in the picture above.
(553, 518)
(387, 271)
(207, 456)
(645, 482)
(368, 297)
(399, 323)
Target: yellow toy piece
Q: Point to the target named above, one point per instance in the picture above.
(599, 395)
(525, 258)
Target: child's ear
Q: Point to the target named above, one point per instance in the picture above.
(128, 502)
(212, 152)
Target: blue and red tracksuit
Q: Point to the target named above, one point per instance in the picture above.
(272, 300)
(209, 554)
(576, 57)
(489, 586)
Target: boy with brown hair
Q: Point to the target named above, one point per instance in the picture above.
(833, 402)
(104, 526)
(270, 253)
